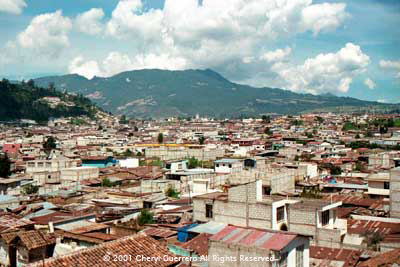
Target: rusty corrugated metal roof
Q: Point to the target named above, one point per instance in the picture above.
(271, 240)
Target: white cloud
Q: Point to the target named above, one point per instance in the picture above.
(219, 34)
(324, 17)
(88, 69)
(392, 65)
(232, 36)
(89, 22)
(128, 20)
(332, 72)
(47, 34)
(370, 83)
(277, 55)
(117, 62)
(12, 6)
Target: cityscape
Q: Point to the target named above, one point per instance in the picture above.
(199, 133)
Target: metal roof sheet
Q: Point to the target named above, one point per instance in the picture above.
(270, 240)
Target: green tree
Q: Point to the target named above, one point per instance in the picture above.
(160, 138)
(127, 153)
(106, 182)
(193, 163)
(30, 189)
(145, 217)
(5, 166)
(266, 119)
(335, 170)
(359, 167)
(49, 144)
(172, 192)
(123, 120)
(267, 131)
(319, 119)
(201, 140)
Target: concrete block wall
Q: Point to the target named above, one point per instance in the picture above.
(328, 238)
(241, 193)
(395, 193)
(302, 221)
(199, 210)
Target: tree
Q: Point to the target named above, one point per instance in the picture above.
(145, 217)
(335, 170)
(5, 166)
(123, 120)
(319, 119)
(359, 167)
(266, 119)
(373, 239)
(128, 153)
(296, 122)
(160, 138)
(106, 182)
(49, 144)
(267, 131)
(193, 163)
(369, 134)
(201, 140)
(30, 189)
(31, 83)
(172, 192)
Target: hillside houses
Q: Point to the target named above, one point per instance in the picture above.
(303, 189)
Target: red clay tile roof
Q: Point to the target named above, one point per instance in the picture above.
(132, 245)
(348, 256)
(31, 239)
(383, 260)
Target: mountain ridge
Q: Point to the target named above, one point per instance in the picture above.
(25, 100)
(162, 93)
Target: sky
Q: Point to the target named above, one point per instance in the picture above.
(347, 48)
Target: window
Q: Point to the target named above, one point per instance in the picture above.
(386, 185)
(267, 190)
(209, 210)
(280, 214)
(300, 256)
(325, 217)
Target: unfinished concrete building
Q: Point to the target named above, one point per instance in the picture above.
(395, 192)
(245, 205)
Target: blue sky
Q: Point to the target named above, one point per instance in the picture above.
(348, 48)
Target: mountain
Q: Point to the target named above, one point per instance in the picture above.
(28, 101)
(162, 93)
